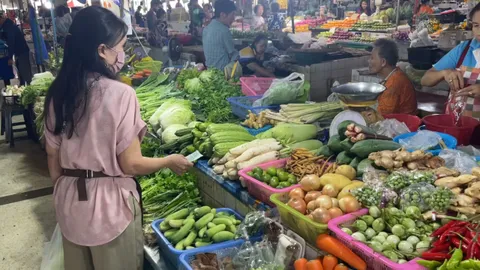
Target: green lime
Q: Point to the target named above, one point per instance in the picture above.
(284, 184)
(280, 186)
(258, 176)
(250, 173)
(274, 181)
(272, 171)
(292, 181)
(282, 176)
(280, 170)
(258, 170)
(266, 177)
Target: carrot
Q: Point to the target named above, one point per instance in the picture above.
(329, 262)
(147, 71)
(331, 245)
(139, 73)
(300, 264)
(137, 77)
(341, 266)
(314, 265)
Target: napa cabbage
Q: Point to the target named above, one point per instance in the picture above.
(168, 134)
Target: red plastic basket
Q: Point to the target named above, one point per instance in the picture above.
(413, 122)
(375, 261)
(260, 190)
(255, 86)
(444, 123)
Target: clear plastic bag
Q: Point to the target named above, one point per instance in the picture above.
(458, 160)
(283, 91)
(416, 195)
(374, 192)
(423, 140)
(390, 128)
(472, 151)
(399, 180)
(251, 256)
(52, 258)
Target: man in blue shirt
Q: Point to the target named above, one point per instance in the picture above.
(217, 40)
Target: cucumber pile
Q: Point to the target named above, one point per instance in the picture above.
(203, 226)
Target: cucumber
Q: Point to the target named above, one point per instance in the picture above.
(168, 146)
(212, 231)
(343, 158)
(202, 231)
(202, 244)
(325, 151)
(179, 245)
(363, 148)
(346, 145)
(334, 144)
(223, 220)
(223, 236)
(362, 166)
(183, 131)
(185, 139)
(190, 238)
(183, 231)
(211, 225)
(164, 226)
(189, 247)
(213, 211)
(201, 211)
(169, 233)
(342, 127)
(180, 214)
(202, 222)
(355, 162)
(197, 133)
(232, 228)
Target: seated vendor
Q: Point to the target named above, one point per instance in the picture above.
(252, 57)
(399, 97)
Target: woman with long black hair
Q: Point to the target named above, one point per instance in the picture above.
(93, 131)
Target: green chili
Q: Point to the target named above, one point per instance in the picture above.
(455, 260)
(469, 265)
(431, 265)
(443, 266)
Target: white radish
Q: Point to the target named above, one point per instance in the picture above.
(233, 177)
(215, 160)
(225, 174)
(231, 164)
(224, 159)
(265, 157)
(256, 151)
(218, 169)
(244, 147)
(232, 173)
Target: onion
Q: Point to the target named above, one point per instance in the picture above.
(312, 195)
(349, 204)
(310, 182)
(298, 204)
(334, 202)
(324, 201)
(335, 212)
(296, 193)
(310, 217)
(330, 190)
(321, 215)
(311, 206)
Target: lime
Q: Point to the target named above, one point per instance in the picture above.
(283, 184)
(292, 179)
(282, 176)
(274, 181)
(250, 173)
(258, 170)
(272, 171)
(258, 176)
(266, 177)
(280, 186)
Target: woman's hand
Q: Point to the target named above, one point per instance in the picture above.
(469, 91)
(454, 79)
(178, 164)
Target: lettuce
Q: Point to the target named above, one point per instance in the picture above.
(193, 85)
(168, 135)
(207, 75)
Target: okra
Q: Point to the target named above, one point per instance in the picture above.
(212, 231)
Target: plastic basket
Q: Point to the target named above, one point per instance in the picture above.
(188, 257)
(444, 123)
(375, 261)
(241, 106)
(255, 86)
(295, 221)
(255, 132)
(413, 122)
(173, 255)
(260, 190)
(449, 141)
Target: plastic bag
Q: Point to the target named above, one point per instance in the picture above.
(423, 140)
(374, 192)
(417, 195)
(390, 128)
(399, 180)
(52, 258)
(252, 256)
(458, 160)
(472, 151)
(283, 91)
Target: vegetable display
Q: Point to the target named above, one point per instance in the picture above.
(417, 160)
(331, 245)
(305, 113)
(274, 177)
(201, 227)
(303, 162)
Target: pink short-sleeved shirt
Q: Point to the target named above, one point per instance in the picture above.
(111, 122)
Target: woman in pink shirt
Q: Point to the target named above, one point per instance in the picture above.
(93, 131)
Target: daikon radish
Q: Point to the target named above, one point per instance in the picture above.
(232, 172)
(224, 159)
(231, 164)
(244, 147)
(225, 174)
(255, 151)
(265, 157)
(218, 169)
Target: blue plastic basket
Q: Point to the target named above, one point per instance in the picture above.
(173, 255)
(255, 132)
(187, 257)
(449, 141)
(241, 106)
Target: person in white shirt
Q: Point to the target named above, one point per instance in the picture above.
(258, 22)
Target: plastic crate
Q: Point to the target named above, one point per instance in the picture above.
(375, 261)
(189, 256)
(260, 190)
(255, 132)
(255, 86)
(449, 141)
(295, 221)
(241, 106)
(173, 255)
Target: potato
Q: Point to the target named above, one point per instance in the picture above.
(347, 171)
(338, 180)
(347, 190)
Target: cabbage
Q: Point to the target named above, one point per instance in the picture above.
(168, 135)
(193, 85)
(293, 133)
(167, 105)
(207, 75)
(176, 115)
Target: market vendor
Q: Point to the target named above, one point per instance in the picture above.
(93, 131)
(425, 8)
(460, 68)
(258, 22)
(252, 57)
(364, 8)
(399, 97)
(217, 40)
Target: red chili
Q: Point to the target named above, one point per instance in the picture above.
(435, 256)
(470, 250)
(439, 247)
(476, 251)
(445, 227)
(456, 242)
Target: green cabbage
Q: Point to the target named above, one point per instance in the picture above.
(168, 135)
(193, 85)
(207, 75)
(176, 115)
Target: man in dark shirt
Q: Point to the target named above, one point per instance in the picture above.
(155, 5)
(17, 46)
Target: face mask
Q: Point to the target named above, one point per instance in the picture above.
(119, 62)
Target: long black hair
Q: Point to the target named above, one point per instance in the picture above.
(69, 92)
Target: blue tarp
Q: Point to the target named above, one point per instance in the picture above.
(38, 42)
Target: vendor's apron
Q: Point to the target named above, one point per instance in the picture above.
(471, 76)
(82, 175)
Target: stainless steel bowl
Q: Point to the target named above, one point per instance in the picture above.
(358, 92)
